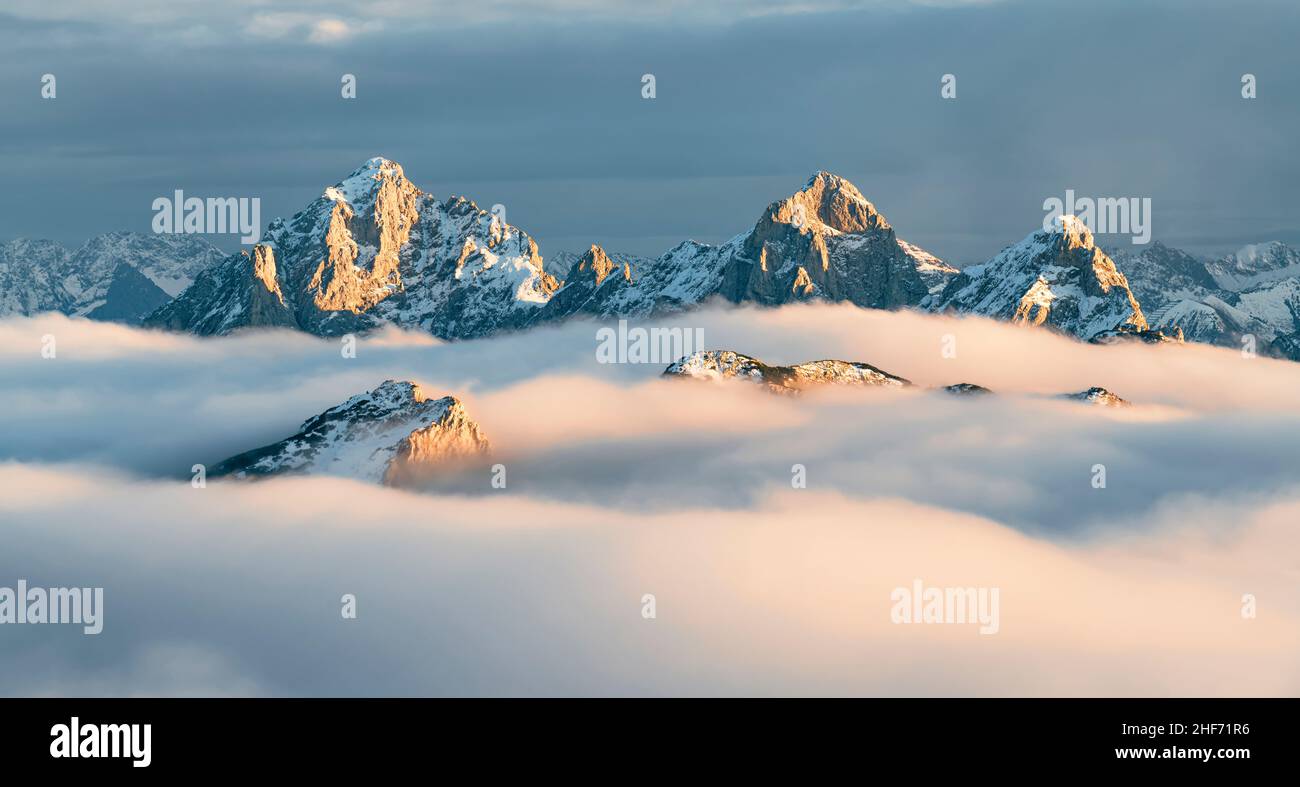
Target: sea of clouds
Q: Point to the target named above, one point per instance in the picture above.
(622, 484)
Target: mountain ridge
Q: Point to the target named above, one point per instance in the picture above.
(374, 249)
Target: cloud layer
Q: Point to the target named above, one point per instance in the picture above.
(621, 484)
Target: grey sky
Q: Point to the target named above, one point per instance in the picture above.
(537, 105)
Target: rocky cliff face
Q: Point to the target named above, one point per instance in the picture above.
(824, 242)
(395, 434)
(584, 277)
(1057, 278)
(375, 249)
(244, 291)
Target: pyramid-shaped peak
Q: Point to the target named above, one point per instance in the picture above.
(829, 178)
(828, 201)
(377, 166)
(598, 263)
(366, 179)
(1073, 230)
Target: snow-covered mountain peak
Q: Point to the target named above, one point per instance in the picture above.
(375, 249)
(829, 203)
(394, 434)
(1055, 277)
(1073, 231)
(376, 167)
(365, 181)
(395, 394)
(597, 264)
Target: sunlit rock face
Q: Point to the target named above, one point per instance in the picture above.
(243, 291)
(395, 435)
(592, 272)
(824, 242)
(374, 249)
(1057, 278)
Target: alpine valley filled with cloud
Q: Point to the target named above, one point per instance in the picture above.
(391, 398)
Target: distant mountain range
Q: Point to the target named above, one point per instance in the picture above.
(1255, 291)
(374, 249)
(119, 276)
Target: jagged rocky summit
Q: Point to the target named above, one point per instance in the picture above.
(395, 435)
(374, 249)
(1056, 277)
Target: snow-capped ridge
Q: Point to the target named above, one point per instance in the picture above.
(116, 276)
(728, 364)
(395, 434)
(1056, 278)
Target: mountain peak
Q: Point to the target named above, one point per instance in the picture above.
(831, 179)
(829, 201)
(378, 165)
(365, 179)
(1056, 276)
(394, 434)
(1098, 396)
(395, 392)
(597, 263)
(1074, 231)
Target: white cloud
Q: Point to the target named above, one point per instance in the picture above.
(621, 484)
(309, 27)
(510, 594)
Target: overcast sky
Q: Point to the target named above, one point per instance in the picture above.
(537, 105)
